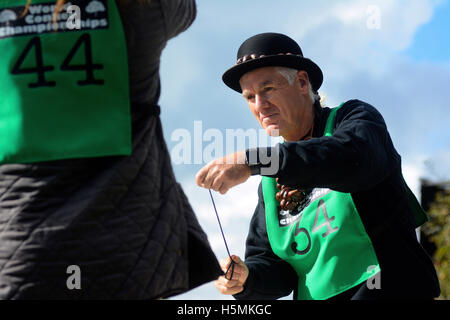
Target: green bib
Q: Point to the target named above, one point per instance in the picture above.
(324, 239)
(63, 94)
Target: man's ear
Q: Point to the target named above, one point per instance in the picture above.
(303, 80)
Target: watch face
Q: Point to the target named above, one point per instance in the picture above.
(255, 170)
(251, 157)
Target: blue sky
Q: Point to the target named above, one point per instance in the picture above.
(400, 65)
(431, 40)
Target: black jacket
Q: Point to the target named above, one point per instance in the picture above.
(359, 159)
(124, 221)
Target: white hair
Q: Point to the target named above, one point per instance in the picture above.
(290, 75)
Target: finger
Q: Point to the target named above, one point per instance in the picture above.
(223, 189)
(221, 288)
(232, 273)
(210, 177)
(237, 259)
(224, 263)
(227, 282)
(240, 268)
(235, 276)
(200, 177)
(217, 183)
(239, 265)
(228, 291)
(238, 273)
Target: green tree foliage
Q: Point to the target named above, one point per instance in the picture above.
(438, 231)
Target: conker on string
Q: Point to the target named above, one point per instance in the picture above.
(289, 199)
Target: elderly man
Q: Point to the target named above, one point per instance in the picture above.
(335, 219)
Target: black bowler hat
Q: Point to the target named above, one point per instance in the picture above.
(271, 49)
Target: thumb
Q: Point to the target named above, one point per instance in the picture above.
(237, 259)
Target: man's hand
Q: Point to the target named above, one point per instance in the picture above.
(224, 173)
(240, 274)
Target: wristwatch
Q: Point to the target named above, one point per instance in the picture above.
(252, 160)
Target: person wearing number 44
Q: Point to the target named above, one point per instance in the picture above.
(335, 218)
(89, 204)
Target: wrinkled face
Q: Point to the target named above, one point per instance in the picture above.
(280, 108)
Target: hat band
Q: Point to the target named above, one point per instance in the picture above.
(253, 56)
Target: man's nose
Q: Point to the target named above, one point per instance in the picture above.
(260, 102)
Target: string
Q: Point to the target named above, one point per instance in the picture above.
(223, 237)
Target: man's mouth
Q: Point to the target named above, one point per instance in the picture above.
(268, 117)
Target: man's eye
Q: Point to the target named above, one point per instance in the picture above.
(250, 97)
(266, 89)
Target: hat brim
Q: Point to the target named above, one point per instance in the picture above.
(232, 76)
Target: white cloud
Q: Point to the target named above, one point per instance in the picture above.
(341, 42)
(413, 172)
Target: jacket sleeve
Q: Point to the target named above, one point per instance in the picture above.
(269, 276)
(358, 156)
